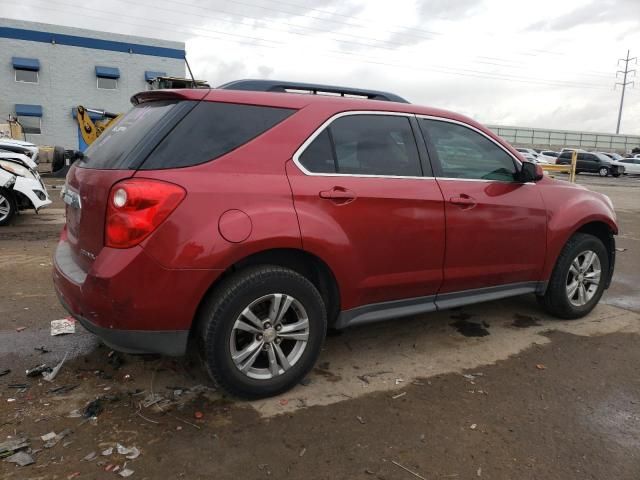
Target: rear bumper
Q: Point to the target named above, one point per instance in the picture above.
(129, 300)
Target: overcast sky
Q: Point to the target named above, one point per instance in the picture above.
(541, 63)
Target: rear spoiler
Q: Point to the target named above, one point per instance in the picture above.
(176, 94)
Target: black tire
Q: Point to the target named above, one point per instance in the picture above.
(7, 199)
(58, 159)
(556, 301)
(225, 304)
(603, 171)
(616, 174)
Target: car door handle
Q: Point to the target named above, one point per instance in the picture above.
(338, 195)
(463, 200)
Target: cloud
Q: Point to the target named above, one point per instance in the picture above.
(595, 12)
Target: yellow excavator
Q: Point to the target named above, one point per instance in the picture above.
(90, 129)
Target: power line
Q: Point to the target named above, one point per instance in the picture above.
(624, 83)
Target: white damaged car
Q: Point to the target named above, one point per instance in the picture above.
(20, 186)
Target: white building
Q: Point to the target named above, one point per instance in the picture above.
(47, 70)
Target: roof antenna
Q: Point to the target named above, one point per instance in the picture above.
(193, 80)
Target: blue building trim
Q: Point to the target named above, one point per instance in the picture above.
(24, 110)
(86, 42)
(20, 63)
(107, 72)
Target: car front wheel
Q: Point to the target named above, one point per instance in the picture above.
(578, 278)
(7, 206)
(263, 329)
(603, 172)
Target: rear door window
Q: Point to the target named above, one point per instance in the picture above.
(115, 147)
(211, 130)
(381, 145)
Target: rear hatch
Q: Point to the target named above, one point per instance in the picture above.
(114, 156)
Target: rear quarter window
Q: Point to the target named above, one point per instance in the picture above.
(211, 130)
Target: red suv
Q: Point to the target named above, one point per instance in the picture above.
(250, 218)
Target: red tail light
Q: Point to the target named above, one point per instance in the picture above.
(136, 207)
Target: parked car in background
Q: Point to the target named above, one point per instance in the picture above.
(250, 221)
(21, 187)
(631, 165)
(592, 162)
(612, 155)
(549, 153)
(531, 155)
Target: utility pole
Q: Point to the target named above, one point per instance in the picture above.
(624, 83)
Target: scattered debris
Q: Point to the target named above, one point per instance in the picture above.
(198, 415)
(472, 376)
(74, 414)
(126, 472)
(49, 377)
(399, 381)
(48, 436)
(20, 458)
(19, 386)
(131, 453)
(360, 419)
(283, 401)
(63, 326)
(73, 475)
(10, 446)
(53, 441)
(5, 372)
(473, 426)
(20, 329)
(620, 249)
(90, 457)
(115, 360)
(64, 389)
(107, 452)
(302, 452)
(399, 395)
(93, 408)
(479, 472)
(540, 366)
(42, 350)
(38, 370)
(417, 475)
(365, 377)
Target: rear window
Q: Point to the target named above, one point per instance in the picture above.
(113, 149)
(211, 130)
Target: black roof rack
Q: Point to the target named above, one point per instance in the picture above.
(276, 86)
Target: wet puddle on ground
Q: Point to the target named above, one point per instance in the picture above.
(525, 321)
(467, 328)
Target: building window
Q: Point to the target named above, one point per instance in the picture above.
(30, 118)
(26, 76)
(26, 69)
(107, 78)
(107, 83)
(32, 125)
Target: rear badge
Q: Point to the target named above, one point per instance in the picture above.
(87, 254)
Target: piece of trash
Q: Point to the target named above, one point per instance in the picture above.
(93, 408)
(73, 475)
(42, 350)
(90, 456)
(540, 366)
(19, 386)
(20, 458)
(48, 436)
(360, 419)
(54, 441)
(63, 326)
(479, 472)
(38, 370)
(126, 472)
(417, 475)
(10, 446)
(302, 452)
(399, 395)
(74, 414)
(151, 399)
(49, 377)
(20, 329)
(5, 372)
(115, 360)
(107, 452)
(131, 453)
(473, 426)
(11, 400)
(198, 415)
(399, 381)
(620, 249)
(63, 389)
(284, 401)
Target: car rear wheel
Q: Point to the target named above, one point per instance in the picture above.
(603, 172)
(578, 278)
(262, 331)
(7, 206)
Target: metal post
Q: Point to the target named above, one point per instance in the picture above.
(624, 84)
(574, 161)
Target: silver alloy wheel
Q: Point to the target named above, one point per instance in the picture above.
(583, 278)
(5, 208)
(269, 336)
(603, 172)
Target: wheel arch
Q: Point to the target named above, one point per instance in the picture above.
(301, 261)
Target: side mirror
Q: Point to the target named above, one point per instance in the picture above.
(530, 172)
